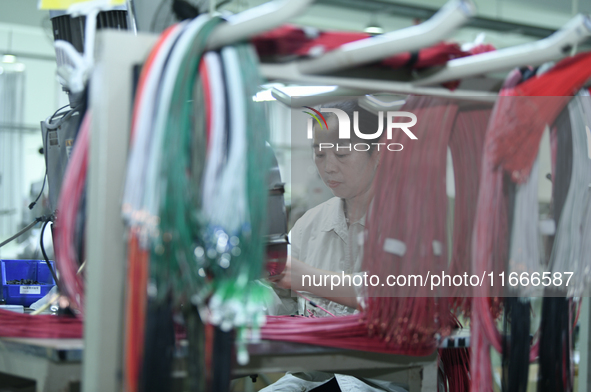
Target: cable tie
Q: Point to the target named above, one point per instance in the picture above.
(394, 246)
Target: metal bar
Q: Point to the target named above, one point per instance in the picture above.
(289, 72)
(419, 12)
(255, 20)
(31, 56)
(554, 47)
(451, 16)
(313, 100)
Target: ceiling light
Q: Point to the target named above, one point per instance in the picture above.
(263, 96)
(293, 91)
(374, 30)
(373, 27)
(9, 59)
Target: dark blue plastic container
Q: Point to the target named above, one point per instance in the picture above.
(25, 295)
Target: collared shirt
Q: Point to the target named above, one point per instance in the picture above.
(322, 239)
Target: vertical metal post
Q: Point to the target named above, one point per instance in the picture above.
(110, 103)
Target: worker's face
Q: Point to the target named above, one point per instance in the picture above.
(346, 173)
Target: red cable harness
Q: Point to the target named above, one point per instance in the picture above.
(66, 254)
(21, 325)
(511, 146)
(289, 40)
(349, 332)
(466, 145)
(399, 214)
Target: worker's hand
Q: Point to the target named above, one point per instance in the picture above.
(292, 267)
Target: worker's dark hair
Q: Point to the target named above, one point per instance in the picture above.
(368, 121)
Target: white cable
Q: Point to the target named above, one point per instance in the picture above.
(227, 311)
(155, 180)
(143, 133)
(216, 154)
(524, 253)
(232, 189)
(566, 253)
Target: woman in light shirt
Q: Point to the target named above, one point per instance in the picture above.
(327, 240)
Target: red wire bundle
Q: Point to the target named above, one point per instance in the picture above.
(21, 325)
(136, 303)
(349, 332)
(438, 54)
(409, 325)
(66, 255)
(456, 369)
(287, 40)
(466, 145)
(520, 122)
(410, 207)
(282, 41)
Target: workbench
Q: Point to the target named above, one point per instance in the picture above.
(56, 364)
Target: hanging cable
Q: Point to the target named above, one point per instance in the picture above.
(66, 256)
(40, 192)
(42, 246)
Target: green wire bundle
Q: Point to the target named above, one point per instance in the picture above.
(173, 256)
(200, 255)
(237, 300)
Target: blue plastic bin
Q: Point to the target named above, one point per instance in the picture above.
(25, 295)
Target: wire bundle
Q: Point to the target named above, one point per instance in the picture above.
(144, 197)
(570, 252)
(195, 193)
(137, 217)
(512, 142)
(524, 248)
(236, 234)
(570, 193)
(41, 326)
(393, 245)
(456, 369)
(466, 146)
(66, 252)
(349, 332)
(521, 121)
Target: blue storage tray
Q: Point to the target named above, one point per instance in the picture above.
(25, 295)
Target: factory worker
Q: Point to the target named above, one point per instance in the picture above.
(326, 239)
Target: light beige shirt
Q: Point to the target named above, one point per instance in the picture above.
(322, 239)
